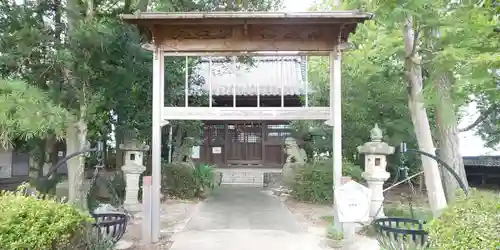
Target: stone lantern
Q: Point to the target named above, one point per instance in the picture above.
(375, 173)
(133, 167)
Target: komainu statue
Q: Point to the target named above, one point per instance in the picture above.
(183, 155)
(296, 158)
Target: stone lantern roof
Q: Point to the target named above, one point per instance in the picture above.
(376, 146)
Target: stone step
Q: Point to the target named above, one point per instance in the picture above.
(257, 185)
(242, 177)
(242, 174)
(237, 180)
(236, 177)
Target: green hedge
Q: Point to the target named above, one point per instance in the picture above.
(313, 183)
(34, 222)
(187, 183)
(471, 223)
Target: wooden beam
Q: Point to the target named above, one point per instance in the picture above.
(151, 47)
(221, 46)
(343, 47)
(246, 113)
(227, 38)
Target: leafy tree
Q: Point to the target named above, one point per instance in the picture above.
(373, 91)
(457, 62)
(443, 63)
(27, 113)
(92, 64)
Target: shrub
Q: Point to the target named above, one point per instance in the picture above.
(420, 212)
(90, 240)
(115, 187)
(204, 177)
(313, 183)
(471, 222)
(187, 183)
(36, 222)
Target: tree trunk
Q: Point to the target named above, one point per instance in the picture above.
(447, 127)
(36, 160)
(421, 184)
(420, 120)
(76, 141)
(176, 144)
(50, 154)
(76, 136)
(119, 153)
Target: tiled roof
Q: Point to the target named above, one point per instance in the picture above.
(482, 161)
(266, 77)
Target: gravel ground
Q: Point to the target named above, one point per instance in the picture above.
(174, 216)
(317, 219)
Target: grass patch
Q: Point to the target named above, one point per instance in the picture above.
(327, 218)
(332, 234)
(401, 211)
(404, 211)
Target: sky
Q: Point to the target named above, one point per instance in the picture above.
(470, 144)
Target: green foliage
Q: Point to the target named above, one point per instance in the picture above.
(116, 187)
(313, 182)
(26, 112)
(37, 222)
(186, 183)
(221, 5)
(404, 211)
(388, 243)
(204, 177)
(454, 38)
(98, 60)
(373, 91)
(47, 186)
(471, 222)
(91, 241)
(334, 234)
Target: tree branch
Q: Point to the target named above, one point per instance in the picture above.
(480, 119)
(416, 36)
(142, 5)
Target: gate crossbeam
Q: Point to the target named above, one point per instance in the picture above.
(246, 113)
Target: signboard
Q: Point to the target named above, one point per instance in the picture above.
(353, 202)
(195, 152)
(216, 150)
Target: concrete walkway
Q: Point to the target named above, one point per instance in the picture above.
(243, 218)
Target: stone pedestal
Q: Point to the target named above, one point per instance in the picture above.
(375, 182)
(375, 173)
(132, 170)
(132, 174)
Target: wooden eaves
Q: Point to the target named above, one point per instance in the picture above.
(246, 32)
